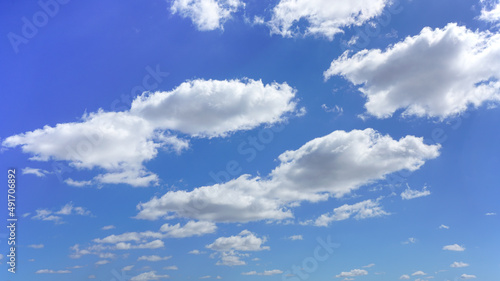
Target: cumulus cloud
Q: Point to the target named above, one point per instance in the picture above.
(490, 11)
(108, 227)
(461, 69)
(361, 210)
(120, 143)
(405, 277)
(332, 165)
(230, 258)
(324, 18)
(412, 194)
(444, 227)
(50, 271)
(419, 273)
(468, 276)
(454, 247)
(33, 171)
(353, 273)
(459, 264)
(206, 14)
(491, 214)
(146, 276)
(244, 241)
(191, 228)
(229, 247)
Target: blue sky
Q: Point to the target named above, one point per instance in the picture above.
(242, 140)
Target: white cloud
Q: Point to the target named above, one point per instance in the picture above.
(244, 241)
(102, 262)
(108, 227)
(230, 259)
(72, 182)
(127, 268)
(153, 258)
(409, 193)
(171, 267)
(50, 271)
(461, 69)
(295, 237)
(69, 209)
(419, 273)
(361, 210)
(332, 165)
(265, 273)
(353, 273)
(121, 142)
(92, 277)
(491, 214)
(404, 277)
(191, 228)
(454, 247)
(33, 171)
(444, 227)
(146, 276)
(195, 252)
(228, 247)
(459, 264)
(468, 276)
(324, 18)
(156, 244)
(410, 240)
(206, 14)
(227, 106)
(36, 246)
(490, 11)
(369, 265)
(56, 217)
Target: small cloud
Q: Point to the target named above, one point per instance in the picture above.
(265, 273)
(454, 247)
(73, 182)
(92, 277)
(409, 193)
(410, 240)
(352, 273)
(32, 171)
(444, 227)
(108, 227)
(404, 277)
(334, 109)
(491, 214)
(468, 276)
(195, 252)
(153, 258)
(172, 267)
(127, 268)
(102, 262)
(50, 271)
(369, 265)
(36, 246)
(419, 273)
(296, 237)
(459, 264)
